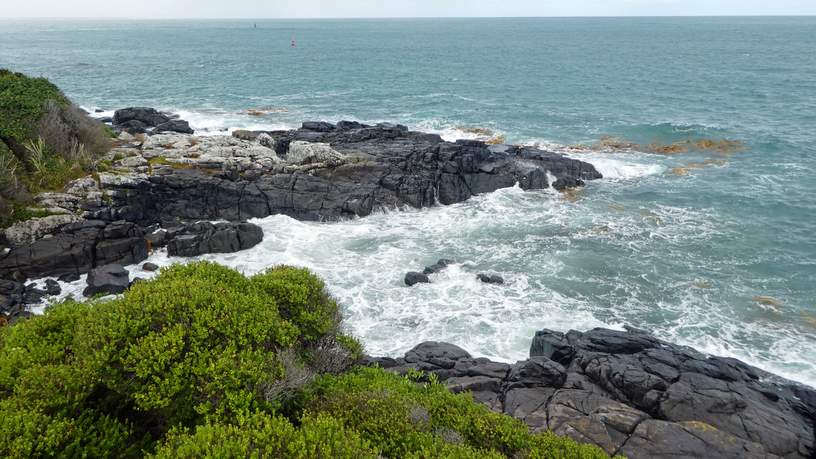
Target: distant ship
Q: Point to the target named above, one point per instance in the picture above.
(294, 45)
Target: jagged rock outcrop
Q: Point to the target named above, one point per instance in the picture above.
(319, 172)
(322, 174)
(634, 395)
(78, 248)
(204, 237)
(145, 119)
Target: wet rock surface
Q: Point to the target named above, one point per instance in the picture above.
(200, 238)
(110, 279)
(634, 395)
(414, 278)
(493, 279)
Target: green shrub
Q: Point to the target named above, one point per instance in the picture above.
(409, 419)
(22, 104)
(200, 340)
(302, 299)
(264, 436)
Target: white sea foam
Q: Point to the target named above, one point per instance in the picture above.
(618, 168)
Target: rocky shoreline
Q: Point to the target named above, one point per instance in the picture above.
(155, 189)
(632, 394)
(161, 185)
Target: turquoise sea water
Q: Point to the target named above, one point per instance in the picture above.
(684, 245)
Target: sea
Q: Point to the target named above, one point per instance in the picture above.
(702, 232)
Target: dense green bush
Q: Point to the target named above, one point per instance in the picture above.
(205, 362)
(264, 436)
(45, 141)
(22, 104)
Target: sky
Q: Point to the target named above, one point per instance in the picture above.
(259, 9)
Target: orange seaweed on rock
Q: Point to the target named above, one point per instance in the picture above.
(618, 144)
(684, 170)
(499, 139)
(486, 132)
(670, 149)
(723, 146)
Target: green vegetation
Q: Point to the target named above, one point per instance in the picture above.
(45, 141)
(205, 362)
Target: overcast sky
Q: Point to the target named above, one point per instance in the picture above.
(396, 8)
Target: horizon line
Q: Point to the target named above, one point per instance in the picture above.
(296, 18)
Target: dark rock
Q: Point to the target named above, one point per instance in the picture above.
(180, 126)
(98, 110)
(33, 295)
(107, 280)
(493, 279)
(9, 287)
(632, 394)
(249, 136)
(318, 126)
(150, 267)
(70, 277)
(78, 248)
(438, 267)
(537, 372)
(413, 278)
(149, 117)
(133, 127)
(552, 345)
(105, 119)
(200, 238)
(7, 302)
(392, 167)
(349, 125)
(52, 287)
(433, 351)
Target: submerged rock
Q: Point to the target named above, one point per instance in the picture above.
(438, 267)
(107, 280)
(634, 395)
